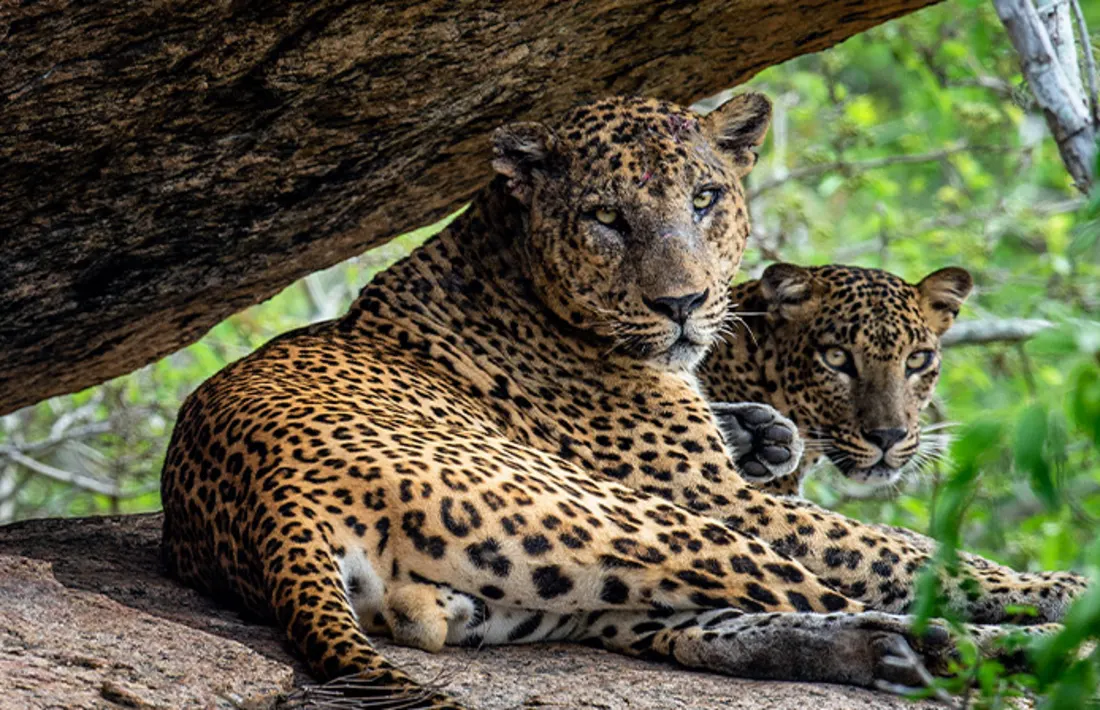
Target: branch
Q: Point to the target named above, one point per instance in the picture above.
(1055, 15)
(982, 81)
(1066, 112)
(858, 166)
(74, 479)
(80, 432)
(999, 330)
(1090, 61)
(77, 480)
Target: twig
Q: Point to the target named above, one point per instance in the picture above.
(982, 81)
(1000, 330)
(857, 166)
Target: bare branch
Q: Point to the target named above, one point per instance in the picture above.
(982, 81)
(1066, 112)
(1055, 15)
(858, 166)
(1090, 61)
(73, 479)
(999, 330)
(65, 435)
(77, 480)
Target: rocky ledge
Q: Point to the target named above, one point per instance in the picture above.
(88, 620)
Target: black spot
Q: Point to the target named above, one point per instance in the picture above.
(882, 569)
(614, 591)
(459, 526)
(799, 601)
(722, 617)
(411, 524)
(383, 528)
(536, 545)
(761, 595)
(833, 602)
(550, 582)
(705, 600)
(788, 573)
(486, 555)
(697, 580)
(490, 591)
(527, 627)
(743, 564)
(647, 627)
(613, 562)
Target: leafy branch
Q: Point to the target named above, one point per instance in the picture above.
(852, 167)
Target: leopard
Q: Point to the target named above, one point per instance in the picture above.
(503, 441)
(848, 357)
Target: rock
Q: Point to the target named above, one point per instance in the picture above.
(85, 650)
(88, 620)
(168, 164)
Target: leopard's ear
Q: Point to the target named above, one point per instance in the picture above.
(942, 295)
(739, 126)
(789, 291)
(520, 149)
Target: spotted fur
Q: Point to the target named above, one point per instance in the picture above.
(863, 416)
(502, 441)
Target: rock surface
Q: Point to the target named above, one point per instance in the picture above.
(87, 620)
(166, 164)
(65, 647)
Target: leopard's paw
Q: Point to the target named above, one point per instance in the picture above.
(765, 445)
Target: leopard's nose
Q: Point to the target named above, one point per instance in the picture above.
(885, 438)
(677, 308)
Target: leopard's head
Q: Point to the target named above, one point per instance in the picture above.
(635, 218)
(856, 356)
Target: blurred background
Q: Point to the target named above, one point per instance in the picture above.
(911, 147)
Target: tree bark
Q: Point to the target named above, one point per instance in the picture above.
(165, 164)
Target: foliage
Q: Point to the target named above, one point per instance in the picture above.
(909, 147)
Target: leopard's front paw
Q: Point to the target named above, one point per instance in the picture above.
(765, 444)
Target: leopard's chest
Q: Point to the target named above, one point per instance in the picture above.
(621, 424)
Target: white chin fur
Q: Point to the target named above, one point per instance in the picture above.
(865, 482)
(682, 356)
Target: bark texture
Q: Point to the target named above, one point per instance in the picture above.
(88, 621)
(1057, 89)
(165, 163)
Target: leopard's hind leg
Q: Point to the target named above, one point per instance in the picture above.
(308, 591)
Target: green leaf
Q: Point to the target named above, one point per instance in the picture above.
(1085, 401)
(1031, 437)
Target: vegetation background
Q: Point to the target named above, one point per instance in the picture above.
(911, 147)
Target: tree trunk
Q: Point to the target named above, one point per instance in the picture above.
(164, 164)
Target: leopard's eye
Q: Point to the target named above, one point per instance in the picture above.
(606, 217)
(836, 357)
(703, 200)
(839, 359)
(918, 361)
